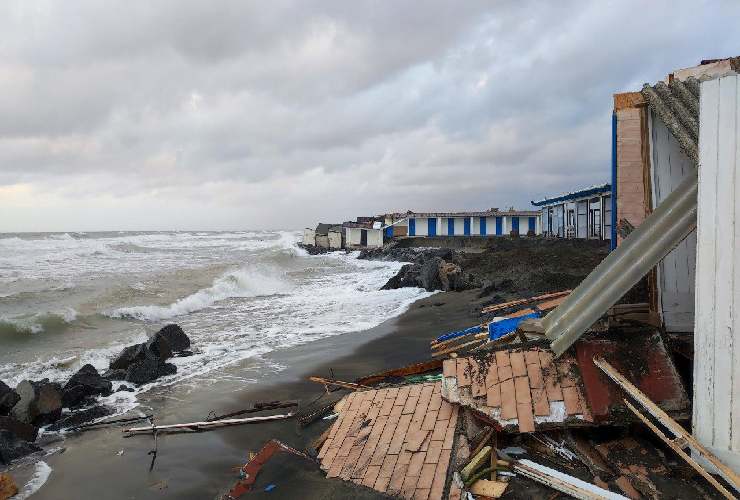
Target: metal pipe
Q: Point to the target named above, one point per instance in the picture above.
(623, 268)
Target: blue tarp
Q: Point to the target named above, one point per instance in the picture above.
(452, 335)
(501, 328)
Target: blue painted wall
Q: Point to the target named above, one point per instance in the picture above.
(515, 224)
(499, 226)
(483, 226)
(466, 226)
(389, 232)
(532, 224)
(412, 227)
(450, 226)
(432, 226)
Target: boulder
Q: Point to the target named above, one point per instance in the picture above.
(114, 375)
(25, 431)
(407, 276)
(8, 398)
(177, 339)
(128, 356)
(142, 372)
(78, 418)
(429, 274)
(8, 488)
(159, 347)
(83, 384)
(12, 447)
(125, 388)
(167, 369)
(40, 403)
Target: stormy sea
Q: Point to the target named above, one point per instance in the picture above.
(67, 299)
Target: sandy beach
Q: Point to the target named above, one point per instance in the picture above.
(200, 465)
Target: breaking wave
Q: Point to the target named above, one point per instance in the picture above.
(37, 323)
(40, 476)
(239, 283)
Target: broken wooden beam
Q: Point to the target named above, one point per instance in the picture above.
(202, 426)
(674, 427)
(563, 482)
(338, 383)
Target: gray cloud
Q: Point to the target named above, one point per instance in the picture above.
(185, 114)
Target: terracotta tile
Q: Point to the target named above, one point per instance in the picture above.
(389, 463)
(399, 435)
(571, 399)
(449, 367)
(508, 399)
(336, 467)
(450, 435)
(373, 413)
(379, 396)
(346, 446)
(427, 476)
(409, 486)
(504, 373)
(479, 382)
(492, 375)
(356, 401)
(435, 449)
(371, 476)
(425, 444)
(411, 403)
(365, 406)
(540, 402)
(392, 392)
(415, 439)
(521, 387)
(396, 482)
(350, 462)
(445, 410)
(381, 484)
(328, 458)
(568, 370)
(524, 414)
(404, 458)
(534, 372)
(436, 402)
(531, 357)
(385, 441)
(463, 372)
(403, 394)
(518, 367)
(439, 431)
(440, 476)
(493, 396)
(368, 450)
(423, 404)
(550, 374)
(421, 493)
(386, 407)
(502, 358)
(417, 461)
(430, 419)
(396, 412)
(415, 390)
(437, 388)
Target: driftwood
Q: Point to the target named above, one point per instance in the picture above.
(202, 426)
(95, 425)
(563, 482)
(338, 383)
(260, 406)
(404, 371)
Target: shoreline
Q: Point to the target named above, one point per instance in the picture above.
(200, 465)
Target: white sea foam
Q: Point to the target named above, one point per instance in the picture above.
(38, 322)
(40, 476)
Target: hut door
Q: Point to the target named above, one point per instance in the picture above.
(363, 237)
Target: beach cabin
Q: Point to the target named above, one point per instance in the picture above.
(363, 235)
(329, 236)
(489, 223)
(309, 237)
(584, 213)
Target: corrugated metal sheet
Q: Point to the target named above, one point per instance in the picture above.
(677, 105)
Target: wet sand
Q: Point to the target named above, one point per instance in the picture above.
(201, 465)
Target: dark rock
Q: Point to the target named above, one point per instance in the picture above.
(407, 276)
(114, 375)
(128, 356)
(167, 369)
(429, 274)
(8, 398)
(23, 430)
(40, 403)
(159, 347)
(12, 447)
(177, 339)
(78, 418)
(86, 382)
(125, 388)
(143, 371)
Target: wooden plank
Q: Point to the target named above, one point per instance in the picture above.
(735, 424)
(490, 489)
(680, 452)
(670, 424)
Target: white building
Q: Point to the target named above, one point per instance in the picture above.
(309, 236)
(362, 236)
(585, 213)
(490, 223)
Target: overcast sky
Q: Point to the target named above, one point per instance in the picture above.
(236, 115)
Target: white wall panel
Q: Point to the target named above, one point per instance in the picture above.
(716, 418)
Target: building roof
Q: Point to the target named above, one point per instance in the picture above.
(574, 195)
(323, 228)
(677, 105)
(487, 213)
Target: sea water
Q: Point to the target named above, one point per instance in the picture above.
(67, 299)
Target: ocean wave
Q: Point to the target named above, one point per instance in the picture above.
(41, 474)
(37, 323)
(240, 283)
